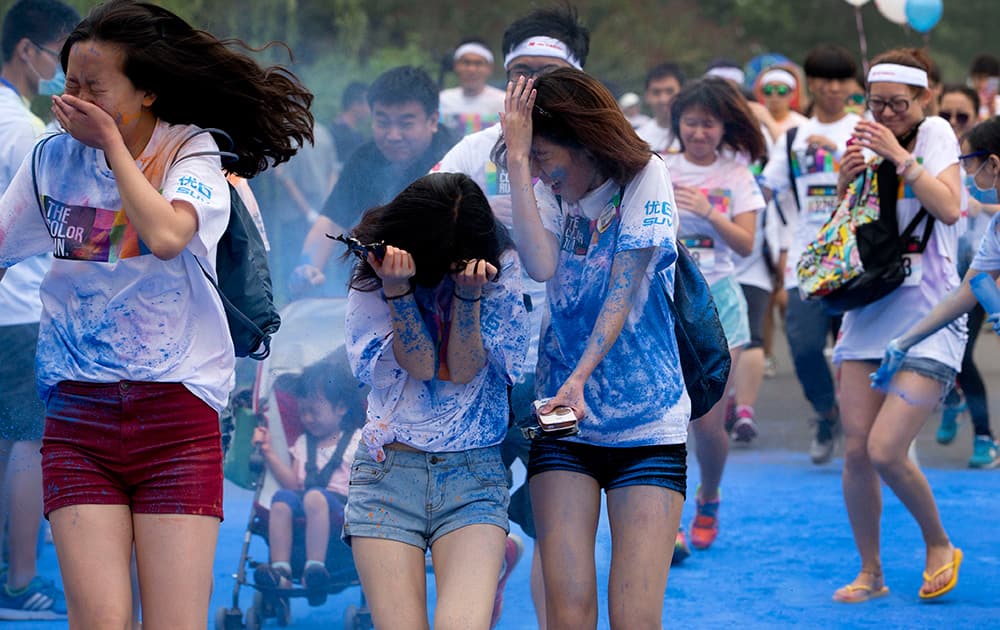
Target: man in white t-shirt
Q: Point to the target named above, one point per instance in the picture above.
(33, 34)
(474, 105)
(811, 177)
(663, 83)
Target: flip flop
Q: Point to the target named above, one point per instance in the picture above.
(955, 563)
(864, 593)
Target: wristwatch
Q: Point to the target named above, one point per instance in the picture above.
(905, 165)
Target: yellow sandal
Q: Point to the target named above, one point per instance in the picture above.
(953, 565)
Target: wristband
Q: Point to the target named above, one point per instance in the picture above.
(465, 299)
(905, 164)
(389, 298)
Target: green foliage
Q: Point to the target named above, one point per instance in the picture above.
(338, 41)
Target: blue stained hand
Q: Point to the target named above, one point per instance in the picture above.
(891, 362)
(994, 320)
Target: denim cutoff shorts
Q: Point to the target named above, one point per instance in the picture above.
(614, 467)
(416, 498)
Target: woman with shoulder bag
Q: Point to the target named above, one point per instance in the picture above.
(880, 425)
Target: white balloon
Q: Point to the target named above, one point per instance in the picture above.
(892, 10)
(857, 3)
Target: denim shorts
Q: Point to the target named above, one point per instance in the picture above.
(415, 498)
(733, 311)
(930, 368)
(612, 467)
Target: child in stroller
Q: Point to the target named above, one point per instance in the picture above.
(329, 404)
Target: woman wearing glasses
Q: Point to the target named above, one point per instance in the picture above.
(879, 424)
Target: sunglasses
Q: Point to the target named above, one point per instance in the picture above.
(962, 118)
(779, 89)
(359, 249)
(856, 99)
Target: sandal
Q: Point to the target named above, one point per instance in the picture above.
(855, 593)
(955, 563)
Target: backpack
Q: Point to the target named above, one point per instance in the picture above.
(701, 341)
(858, 256)
(244, 279)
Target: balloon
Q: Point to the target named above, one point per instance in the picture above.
(857, 3)
(923, 15)
(892, 10)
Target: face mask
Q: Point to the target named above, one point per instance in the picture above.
(983, 195)
(54, 86)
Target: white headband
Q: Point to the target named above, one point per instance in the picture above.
(542, 47)
(896, 73)
(472, 48)
(779, 76)
(727, 72)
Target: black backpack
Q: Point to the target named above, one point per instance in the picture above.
(881, 248)
(244, 283)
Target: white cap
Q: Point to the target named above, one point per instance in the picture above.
(628, 99)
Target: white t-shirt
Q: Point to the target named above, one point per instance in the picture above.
(636, 395)
(987, 258)
(111, 309)
(661, 139)
(816, 171)
(866, 331)
(732, 190)
(439, 415)
(341, 477)
(19, 299)
(470, 114)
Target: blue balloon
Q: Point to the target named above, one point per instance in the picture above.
(923, 15)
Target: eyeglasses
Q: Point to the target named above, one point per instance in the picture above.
(962, 118)
(516, 72)
(969, 156)
(897, 105)
(44, 49)
(780, 90)
(359, 249)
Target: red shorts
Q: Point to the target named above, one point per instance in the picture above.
(154, 447)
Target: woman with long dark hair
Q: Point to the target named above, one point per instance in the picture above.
(134, 357)
(598, 228)
(436, 326)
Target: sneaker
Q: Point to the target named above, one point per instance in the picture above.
(985, 453)
(681, 549)
(824, 441)
(39, 600)
(513, 550)
(705, 527)
(744, 429)
(770, 367)
(949, 422)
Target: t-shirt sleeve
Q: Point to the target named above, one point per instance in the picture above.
(988, 256)
(941, 148)
(368, 337)
(23, 232)
(649, 213)
(775, 174)
(746, 193)
(504, 321)
(200, 182)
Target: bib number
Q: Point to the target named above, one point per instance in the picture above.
(702, 250)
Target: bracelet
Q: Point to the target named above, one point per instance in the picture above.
(389, 298)
(913, 174)
(465, 299)
(905, 164)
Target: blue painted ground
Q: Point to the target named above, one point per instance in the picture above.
(785, 546)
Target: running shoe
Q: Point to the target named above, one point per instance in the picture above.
(39, 600)
(681, 549)
(705, 527)
(744, 429)
(949, 422)
(770, 368)
(985, 453)
(824, 441)
(513, 550)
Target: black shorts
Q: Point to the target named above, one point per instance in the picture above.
(757, 301)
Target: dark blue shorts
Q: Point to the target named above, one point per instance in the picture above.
(294, 500)
(612, 467)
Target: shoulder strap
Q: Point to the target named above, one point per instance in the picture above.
(311, 446)
(888, 191)
(36, 155)
(789, 139)
(912, 226)
(323, 476)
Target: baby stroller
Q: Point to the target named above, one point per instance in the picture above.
(311, 330)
